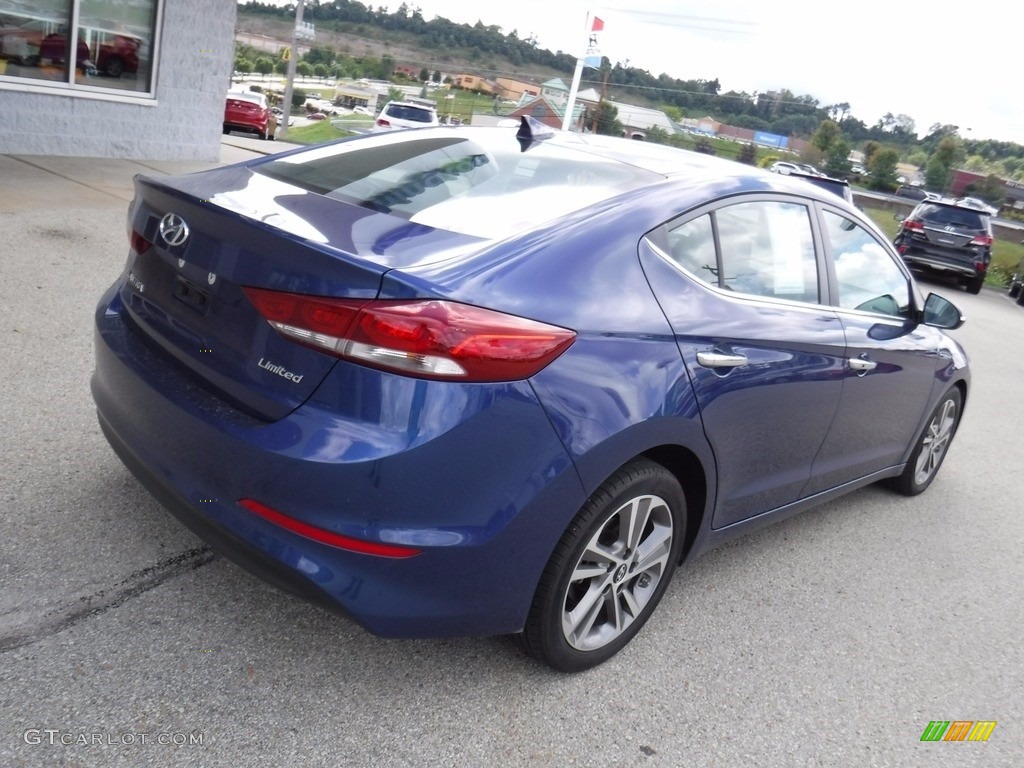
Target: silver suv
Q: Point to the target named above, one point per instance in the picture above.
(404, 114)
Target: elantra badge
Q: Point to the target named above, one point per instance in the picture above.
(173, 229)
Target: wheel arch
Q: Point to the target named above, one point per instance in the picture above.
(686, 467)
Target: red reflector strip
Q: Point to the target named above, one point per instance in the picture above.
(138, 243)
(327, 537)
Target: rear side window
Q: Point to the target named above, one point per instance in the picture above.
(762, 248)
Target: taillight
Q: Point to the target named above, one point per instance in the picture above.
(383, 123)
(428, 338)
(138, 243)
(327, 537)
(985, 240)
(913, 224)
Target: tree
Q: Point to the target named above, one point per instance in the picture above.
(883, 169)
(243, 64)
(424, 75)
(936, 175)
(437, 75)
(320, 70)
(870, 148)
(264, 66)
(303, 69)
(748, 154)
(298, 97)
(837, 163)
(826, 136)
(608, 119)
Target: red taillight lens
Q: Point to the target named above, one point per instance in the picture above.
(985, 240)
(913, 224)
(327, 537)
(383, 123)
(138, 243)
(428, 339)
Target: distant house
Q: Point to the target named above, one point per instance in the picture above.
(413, 73)
(550, 114)
(637, 121)
(475, 83)
(515, 90)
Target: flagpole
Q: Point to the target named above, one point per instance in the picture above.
(577, 75)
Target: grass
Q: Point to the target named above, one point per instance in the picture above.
(316, 133)
(1006, 254)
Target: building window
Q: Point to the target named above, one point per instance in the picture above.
(111, 48)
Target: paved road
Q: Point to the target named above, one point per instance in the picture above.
(831, 639)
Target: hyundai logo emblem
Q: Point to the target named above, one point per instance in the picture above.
(173, 229)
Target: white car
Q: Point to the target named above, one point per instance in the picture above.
(404, 114)
(362, 111)
(785, 168)
(978, 205)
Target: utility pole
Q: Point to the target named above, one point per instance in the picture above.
(300, 32)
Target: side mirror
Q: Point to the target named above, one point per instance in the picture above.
(941, 313)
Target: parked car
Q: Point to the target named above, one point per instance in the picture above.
(858, 170)
(482, 381)
(948, 240)
(316, 116)
(403, 114)
(911, 192)
(362, 111)
(247, 111)
(785, 168)
(1016, 283)
(978, 205)
(835, 186)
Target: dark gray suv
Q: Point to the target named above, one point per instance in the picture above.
(948, 240)
(1017, 283)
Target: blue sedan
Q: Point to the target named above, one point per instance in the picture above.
(461, 381)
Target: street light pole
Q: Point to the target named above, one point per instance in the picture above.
(282, 132)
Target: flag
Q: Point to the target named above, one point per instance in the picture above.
(597, 26)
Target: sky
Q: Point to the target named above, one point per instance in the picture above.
(919, 59)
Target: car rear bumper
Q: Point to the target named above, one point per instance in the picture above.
(485, 519)
(924, 262)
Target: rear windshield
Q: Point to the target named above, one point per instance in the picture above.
(413, 114)
(448, 180)
(955, 216)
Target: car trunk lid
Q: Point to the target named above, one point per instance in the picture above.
(198, 240)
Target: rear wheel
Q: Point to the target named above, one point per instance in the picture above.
(974, 286)
(1014, 289)
(931, 447)
(114, 67)
(609, 570)
(1020, 296)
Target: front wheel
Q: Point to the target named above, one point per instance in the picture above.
(609, 570)
(932, 446)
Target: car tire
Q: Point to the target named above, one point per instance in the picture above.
(1020, 297)
(1014, 289)
(932, 446)
(974, 286)
(114, 67)
(607, 573)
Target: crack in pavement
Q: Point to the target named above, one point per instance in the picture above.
(72, 612)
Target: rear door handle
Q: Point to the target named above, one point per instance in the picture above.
(720, 360)
(862, 365)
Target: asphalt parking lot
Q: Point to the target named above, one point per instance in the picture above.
(831, 639)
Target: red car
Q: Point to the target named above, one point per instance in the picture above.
(248, 111)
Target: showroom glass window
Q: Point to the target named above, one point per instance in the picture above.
(83, 44)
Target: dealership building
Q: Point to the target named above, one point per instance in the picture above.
(139, 79)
